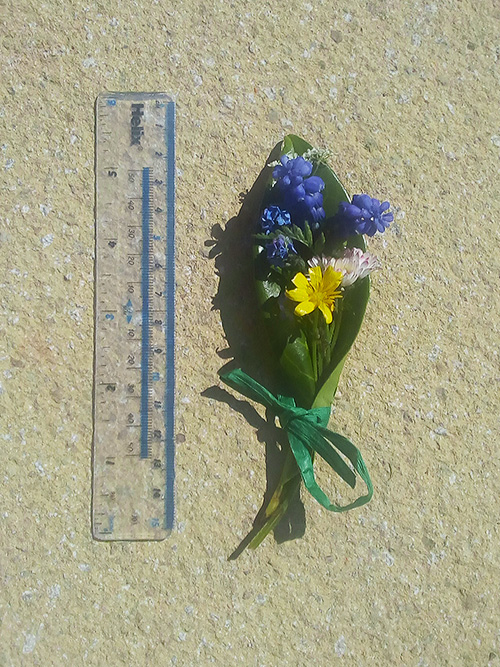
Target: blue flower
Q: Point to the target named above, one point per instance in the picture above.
(274, 217)
(301, 191)
(311, 207)
(278, 250)
(364, 215)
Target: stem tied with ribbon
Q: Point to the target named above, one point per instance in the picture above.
(307, 434)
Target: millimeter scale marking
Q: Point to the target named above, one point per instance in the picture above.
(134, 372)
(145, 369)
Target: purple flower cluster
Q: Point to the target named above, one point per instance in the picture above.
(274, 217)
(301, 192)
(279, 249)
(364, 215)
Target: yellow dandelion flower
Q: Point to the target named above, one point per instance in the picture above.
(317, 290)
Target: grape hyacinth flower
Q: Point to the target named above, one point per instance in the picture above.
(364, 215)
(301, 191)
(311, 207)
(354, 264)
(274, 217)
(278, 250)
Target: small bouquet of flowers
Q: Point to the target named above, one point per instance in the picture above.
(312, 280)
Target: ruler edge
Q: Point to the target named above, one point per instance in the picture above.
(169, 504)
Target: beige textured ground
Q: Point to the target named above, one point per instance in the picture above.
(406, 94)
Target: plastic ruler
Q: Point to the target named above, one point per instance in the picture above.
(133, 437)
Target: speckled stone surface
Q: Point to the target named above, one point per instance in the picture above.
(406, 95)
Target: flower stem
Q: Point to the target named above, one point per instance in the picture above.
(277, 506)
(337, 316)
(313, 343)
(324, 346)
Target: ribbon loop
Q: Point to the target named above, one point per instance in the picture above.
(307, 433)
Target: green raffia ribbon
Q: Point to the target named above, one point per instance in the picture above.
(307, 433)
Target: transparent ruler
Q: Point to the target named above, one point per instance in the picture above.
(133, 445)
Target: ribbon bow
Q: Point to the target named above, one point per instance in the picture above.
(307, 433)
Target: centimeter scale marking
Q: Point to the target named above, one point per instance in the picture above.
(133, 444)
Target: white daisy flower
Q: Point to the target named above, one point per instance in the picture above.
(354, 264)
(324, 262)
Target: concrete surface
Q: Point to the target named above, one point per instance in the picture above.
(406, 95)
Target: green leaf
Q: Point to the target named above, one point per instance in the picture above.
(264, 285)
(287, 145)
(271, 289)
(297, 366)
(297, 234)
(356, 241)
(319, 244)
(308, 235)
(353, 310)
(261, 237)
(334, 191)
(282, 499)
(328, 389)
(292, 232)
(294, 143)
(296, 264)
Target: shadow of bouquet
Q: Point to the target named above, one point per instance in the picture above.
(249, 346)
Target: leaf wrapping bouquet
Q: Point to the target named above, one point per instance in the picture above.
(312, 281)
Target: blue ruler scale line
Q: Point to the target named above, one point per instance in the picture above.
(170, 318)
(145, 287)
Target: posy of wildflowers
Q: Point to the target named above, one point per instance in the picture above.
(312, 276)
